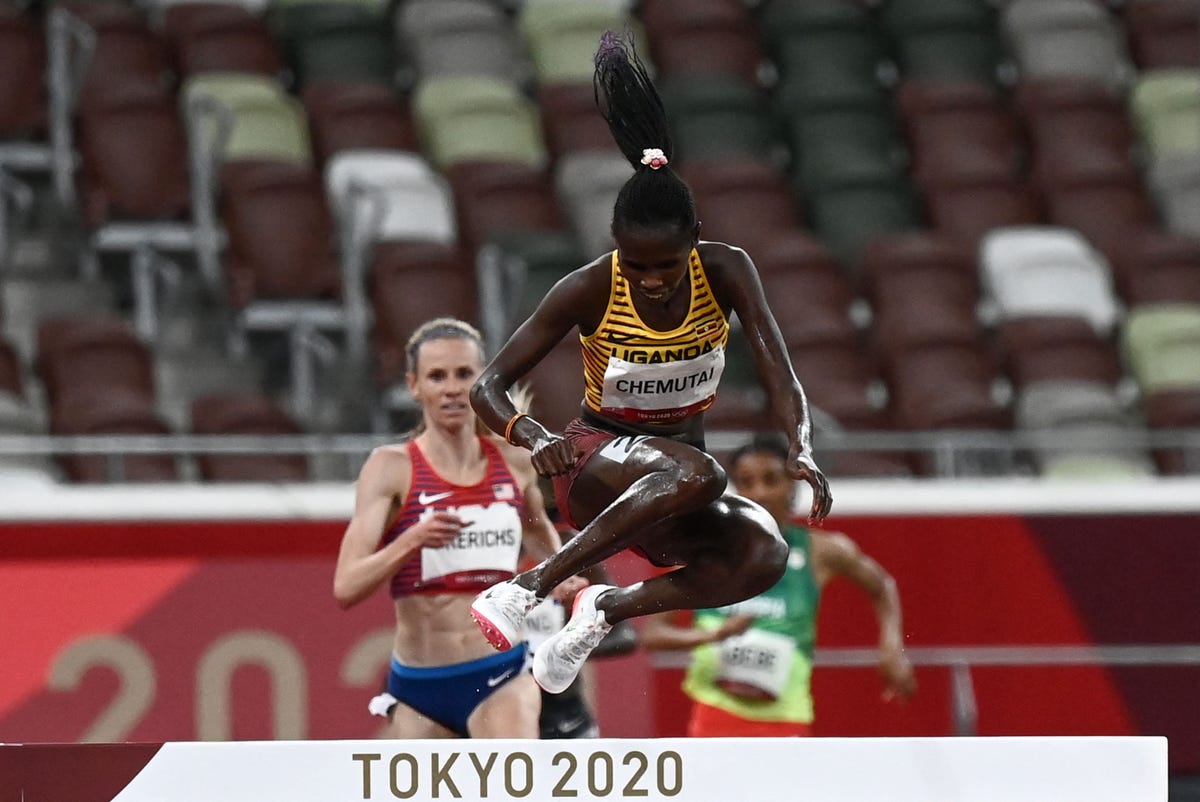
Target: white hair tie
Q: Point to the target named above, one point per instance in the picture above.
(654, 158)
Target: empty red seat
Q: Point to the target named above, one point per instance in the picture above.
(81, 356)
(280, 233)
(115, 412)
(742, 202)
(1170, 283)
(1145, 252)
(22, 67)
(411, 282)
(344, 116)
(965, 210)
(133, 157)
(498, 197)
(570, 121)
(710, 36)
(1163, 33)
(959, 130)
(126, 49)
(811, 304)
(1057, 349)
(1107, 210)
(1076, 129)
(219, 37)
(945, 386)
(843, 381)
(247, 415)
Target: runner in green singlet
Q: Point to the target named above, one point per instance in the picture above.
(752, 661)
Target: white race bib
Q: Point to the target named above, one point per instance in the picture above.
(761, 660)
(491, 543)
(661, 391)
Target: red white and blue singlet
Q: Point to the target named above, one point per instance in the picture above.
(485, 552)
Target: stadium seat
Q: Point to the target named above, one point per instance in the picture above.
(1162, 346)
(496, 199)
(242, 116)
(1146, 252)
(477, 118)
(246, 415)
(967, 209)
(1057, 348)
(1037, 271)
(570, 120)
(1175, 184)
(721, 116)
(109, 411)
(347, 116)
(1066, 38)
(849, 216)
(83, 355)
(115, 45)
(1166, 283)
(1165, 107)
(280, 233)
(1076, 129)
(219, 37)
(712, 36)
(22, 85)
(1174, 409)
(836, 145)
(923, 290)
(1106, 209)
(831, 43)
(1086, 411)
(455, 37)
(561, 36)
(943, 40)
(328, 40)
(811, 304)
(959, 130)
(587, 183)
(411, 282)
(1164, 33)
(744, 202)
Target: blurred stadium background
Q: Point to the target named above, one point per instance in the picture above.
(977, 221)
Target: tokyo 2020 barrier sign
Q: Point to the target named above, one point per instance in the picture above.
(1063, 769)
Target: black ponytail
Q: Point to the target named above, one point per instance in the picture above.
(654, 196)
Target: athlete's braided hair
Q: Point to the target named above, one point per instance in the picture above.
(655, 195)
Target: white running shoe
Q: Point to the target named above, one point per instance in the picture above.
(500, 613)
(558, 660)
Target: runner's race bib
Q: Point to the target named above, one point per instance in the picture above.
(756, 664)
(486, 549)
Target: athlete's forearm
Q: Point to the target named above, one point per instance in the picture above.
(887, 609)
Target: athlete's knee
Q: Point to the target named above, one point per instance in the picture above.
(764, 550)
(699, 478)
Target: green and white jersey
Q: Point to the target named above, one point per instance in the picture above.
(775, 654)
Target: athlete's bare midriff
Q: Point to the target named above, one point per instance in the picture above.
(436, 629)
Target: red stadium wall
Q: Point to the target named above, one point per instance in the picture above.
(215, 630)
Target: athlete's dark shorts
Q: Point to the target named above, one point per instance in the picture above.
(589, 433)
(565, 715)
(449, 694)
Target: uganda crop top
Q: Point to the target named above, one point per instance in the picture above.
(486, 550)
(637, 374)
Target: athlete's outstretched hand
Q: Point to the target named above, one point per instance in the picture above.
(434, 530)
(552, 455)
(803, 467)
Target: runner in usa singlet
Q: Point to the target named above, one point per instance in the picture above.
(485, 552)
(636, 374)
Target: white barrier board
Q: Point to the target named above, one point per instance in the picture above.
(1041, 769)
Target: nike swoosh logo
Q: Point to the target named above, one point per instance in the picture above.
(492, 682)
(425, 499)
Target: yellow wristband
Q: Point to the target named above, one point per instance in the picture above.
(508, 429)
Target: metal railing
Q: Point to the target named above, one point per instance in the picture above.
(961, 659)
(948, 450)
